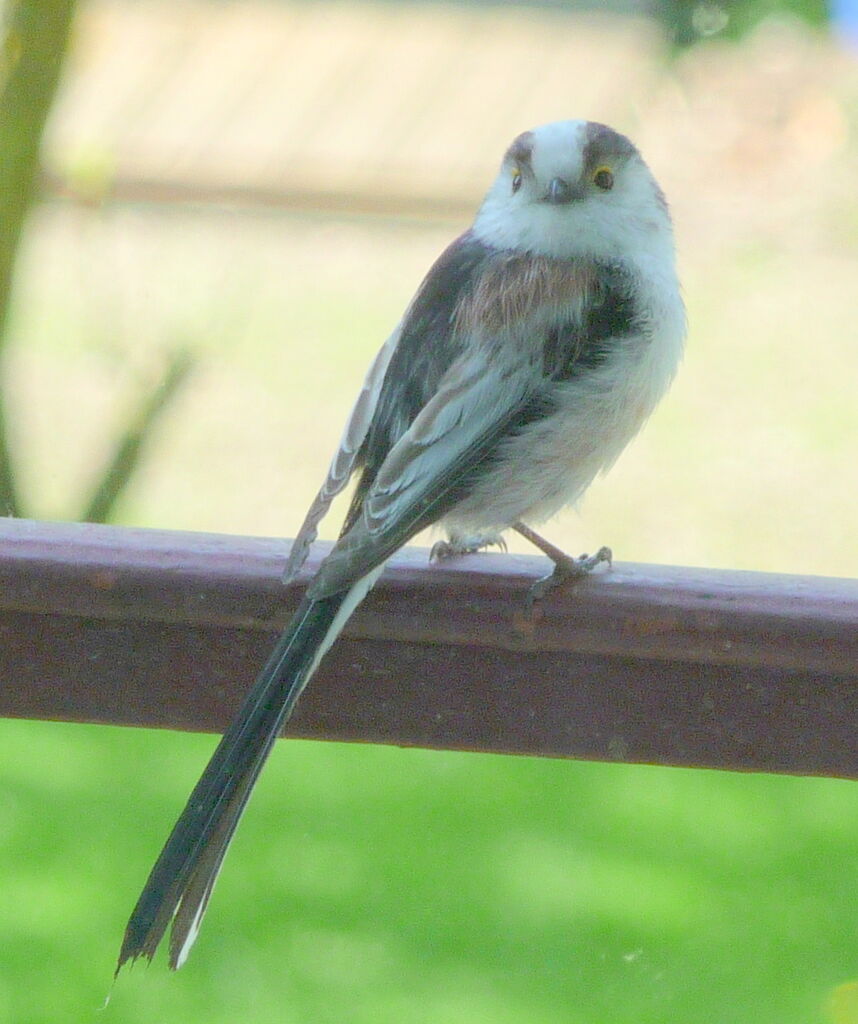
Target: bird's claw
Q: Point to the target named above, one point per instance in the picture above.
(444, 549)
(566, 570)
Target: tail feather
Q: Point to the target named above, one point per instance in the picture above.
(181, 882)
(201, 881)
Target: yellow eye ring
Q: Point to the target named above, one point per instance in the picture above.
(603, 178)
(516, 179)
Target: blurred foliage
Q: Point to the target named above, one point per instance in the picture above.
(120, 467)
(687, 22)
(34, 38)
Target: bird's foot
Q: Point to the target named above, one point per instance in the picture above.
(566, 569)
(455, 546)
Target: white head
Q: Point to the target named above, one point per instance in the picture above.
(576, 188)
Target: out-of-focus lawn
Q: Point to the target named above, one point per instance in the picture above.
(380, 885)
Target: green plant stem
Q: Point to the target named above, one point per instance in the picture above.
(35, 36)
(129, 447)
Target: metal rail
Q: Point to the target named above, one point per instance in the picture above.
(640, 663)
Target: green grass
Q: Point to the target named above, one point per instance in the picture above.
(380, 885)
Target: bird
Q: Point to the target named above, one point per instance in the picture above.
(532, 352)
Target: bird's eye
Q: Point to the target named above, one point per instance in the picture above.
(516, 180)
(603, 178)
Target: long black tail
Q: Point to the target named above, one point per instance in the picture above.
(181, 882)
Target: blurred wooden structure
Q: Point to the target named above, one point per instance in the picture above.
(641, 663)
(362, 108)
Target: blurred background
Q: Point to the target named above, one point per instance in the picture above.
(227, 210)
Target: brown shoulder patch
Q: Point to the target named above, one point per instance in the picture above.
(515, 285)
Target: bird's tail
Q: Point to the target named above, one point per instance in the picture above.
(181, 882)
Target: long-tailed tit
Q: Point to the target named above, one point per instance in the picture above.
(533, 351)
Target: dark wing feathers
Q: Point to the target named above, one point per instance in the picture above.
(428, 346)
(375, 535)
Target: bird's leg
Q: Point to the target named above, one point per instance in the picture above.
(458, 545)
(566, 567)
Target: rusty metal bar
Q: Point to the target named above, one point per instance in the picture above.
(641, 663)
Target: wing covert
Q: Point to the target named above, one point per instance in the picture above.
(456, 434)
(344, 461)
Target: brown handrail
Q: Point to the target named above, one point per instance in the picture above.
(639, 663)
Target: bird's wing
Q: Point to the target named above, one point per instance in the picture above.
(418, 354)
(430, 467)
(343, 463)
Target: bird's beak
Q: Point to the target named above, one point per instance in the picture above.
(560, 192)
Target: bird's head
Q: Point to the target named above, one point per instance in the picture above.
(573, 188)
